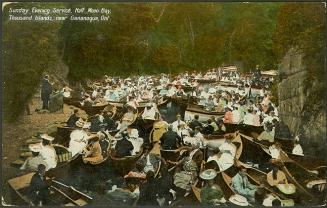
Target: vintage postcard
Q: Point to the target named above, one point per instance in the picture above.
(163, 104)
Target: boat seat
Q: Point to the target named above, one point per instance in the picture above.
(64, 157)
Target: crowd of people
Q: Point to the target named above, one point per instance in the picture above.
(239, 103)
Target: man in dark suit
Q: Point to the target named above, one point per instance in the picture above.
(195, 122)
(39, 188)
(108, 121)
(123, 147)
(71, 122)
(170, 140)
(46, 91)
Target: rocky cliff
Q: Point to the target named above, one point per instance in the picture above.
(294, 100)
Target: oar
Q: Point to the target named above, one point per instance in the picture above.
(71, 187)
(65, 195)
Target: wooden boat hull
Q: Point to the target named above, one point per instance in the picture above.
(95, 109)
(290, 168)
(59, 196)
(72, 101)
(204, 115)
(125, 164)
(244, 129)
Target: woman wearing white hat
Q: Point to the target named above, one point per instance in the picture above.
(47, 152)
(78, 138)
(211, 194)
(32, 163)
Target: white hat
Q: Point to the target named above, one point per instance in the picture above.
(35, 147)
(101, 135)
(47, 137)
(287, 189)
(239, 200)
(86, 125)
(208, 174)
(80, 123)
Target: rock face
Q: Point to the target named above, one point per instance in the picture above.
(293, 99)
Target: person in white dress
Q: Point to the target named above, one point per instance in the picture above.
(228, 146)
(78, 138)
(47, 152)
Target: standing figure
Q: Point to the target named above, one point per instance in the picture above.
(46, 91)
(39, 188)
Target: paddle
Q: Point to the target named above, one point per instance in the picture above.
(65, 195)
(72, 188)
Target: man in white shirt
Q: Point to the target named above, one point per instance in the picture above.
(177, 123)
(249, 118)
(236, 115)
(133, 137)
(149, 112)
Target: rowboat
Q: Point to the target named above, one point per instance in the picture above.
(206, 80)
(244, 129)
(181, 100)
(124, 164)
(60, 194)
(94, 109)
(307, 163)
(105, 154)
(223, 178)
(72, 101)
(290, 168)
(204, 114)
(173, 155)
(260, 177)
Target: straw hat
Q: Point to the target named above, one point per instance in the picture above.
(101, 135)
(47, 137)
(287, 189)
(80, 123)
(208, 174)
(239, 200)
(86, 125)
(34, 147)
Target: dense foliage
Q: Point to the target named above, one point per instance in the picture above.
(144, 38)
(29, 49)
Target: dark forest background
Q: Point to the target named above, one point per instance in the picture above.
(147, 38)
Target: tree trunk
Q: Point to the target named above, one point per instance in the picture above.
(161, 13)
(191, 32)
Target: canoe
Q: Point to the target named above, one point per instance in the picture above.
(248, 130)
(206, 80)
(63, 133)
(259, 177)
(290, 168)
(172, 155)
(181, 100)
(204, 114)
(105, 156)
(65, 161)
(306, 163)
(94, 109)
(59, 195)
(72, 101)
(125, 164)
